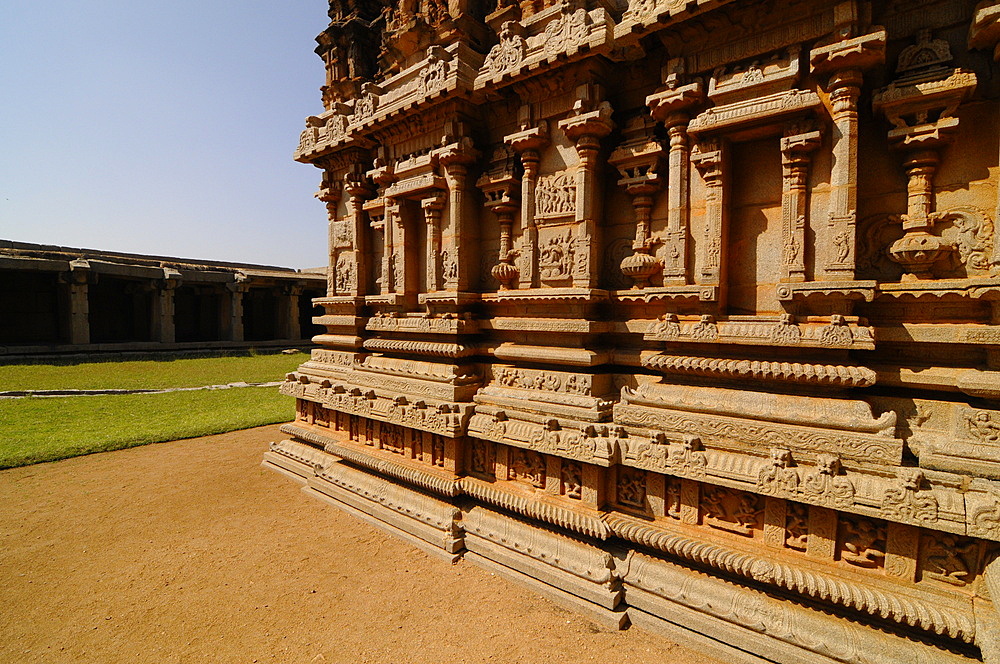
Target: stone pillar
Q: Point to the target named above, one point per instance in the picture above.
(709, 157)
(845, 61)
(586, 131)
(232, 314)
(796, 147)
(79, 304)
(288, 312)
(528, 144)
(163, 307)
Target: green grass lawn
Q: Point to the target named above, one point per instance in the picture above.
(148, 374)
(37, 429)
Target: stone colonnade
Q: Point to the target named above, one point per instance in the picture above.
(58, 299)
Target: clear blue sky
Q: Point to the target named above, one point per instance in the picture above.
(161, 127)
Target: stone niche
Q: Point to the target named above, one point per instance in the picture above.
(684, 312)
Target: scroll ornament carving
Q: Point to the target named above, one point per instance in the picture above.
(906, 502)
(826, 486)
(555, 195)
(507, 54)
(551, 439)
(687, 457)
(705, 329)
(366, 104)
(641, 11)
(432, 77)
(565, 31)
(778, 477)
(975, 241)
(969, 230)
(319, 134)
(837, 333)
(984, 518)
(667, 327)
(786, 332)
(496, 427)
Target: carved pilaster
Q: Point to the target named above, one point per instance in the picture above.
(845, 61)
(391, 268)
(330, 192)
(672, 107)
(457, 252)
(796, 147)
(432, 207)
(709, 157)
(355, 279)
(528, 144)
(586, 131)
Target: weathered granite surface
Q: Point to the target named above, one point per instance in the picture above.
(686, 312)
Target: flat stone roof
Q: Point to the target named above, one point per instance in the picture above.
(55, 252)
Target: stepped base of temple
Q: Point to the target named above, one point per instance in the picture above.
(612, 581)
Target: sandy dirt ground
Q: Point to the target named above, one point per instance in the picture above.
(190, 552)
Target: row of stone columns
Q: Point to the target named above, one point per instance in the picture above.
(163, 325)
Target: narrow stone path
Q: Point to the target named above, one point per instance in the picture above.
(19, 394)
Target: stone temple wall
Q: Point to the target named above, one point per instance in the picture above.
(684, 312)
